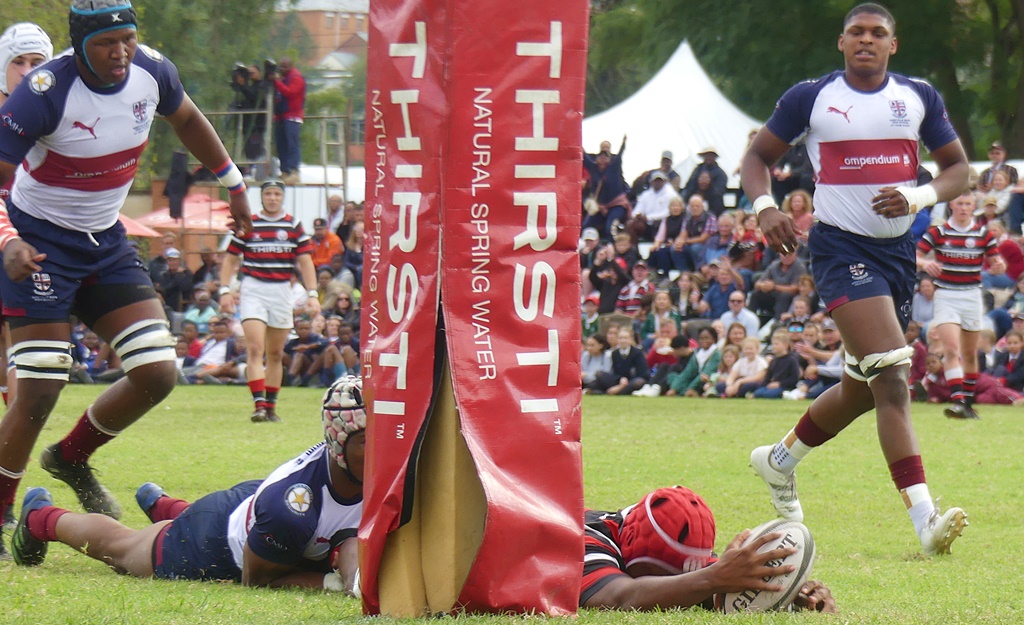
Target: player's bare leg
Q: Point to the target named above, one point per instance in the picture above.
(255, 346)
(145, 384)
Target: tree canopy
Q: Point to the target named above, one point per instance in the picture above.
(971, 50)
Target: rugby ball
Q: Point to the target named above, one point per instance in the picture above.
(795, 534)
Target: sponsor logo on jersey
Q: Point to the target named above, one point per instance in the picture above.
(9, 122)
(299, 498)
(845, 114)
(42, 81)
(89, 129)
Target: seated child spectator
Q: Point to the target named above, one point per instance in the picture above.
(218, 350)
(988, 390)
(689, 382)
(629, 368)
(746, 375)
(662, 313)
(660, 353)
(783, 371)
(1009, 365)
(302, 354)
(341, 355)
(190, 332)
(597, 357)
(987, 352)
(682, 350)
(730, 356)
(589, 318)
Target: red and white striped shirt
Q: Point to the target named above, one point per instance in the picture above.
(960, 252)
(269, 252)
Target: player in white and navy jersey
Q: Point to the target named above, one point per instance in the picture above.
(297, 527)
(269, 256)
(70, 137)
(863, 127)
(656, 554)
(960, 247)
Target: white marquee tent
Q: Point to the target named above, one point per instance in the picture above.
(680, 110)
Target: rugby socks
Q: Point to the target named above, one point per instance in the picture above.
(167, 508)
(970, 382)
(258, 390)
(9, 481)
(908, 475)
(272, 392)
(955, 380)
(42, 523)
(797, 444)
(86, 437)
(4, 392)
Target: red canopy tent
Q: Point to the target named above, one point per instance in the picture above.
(135, 229)
(201, 214)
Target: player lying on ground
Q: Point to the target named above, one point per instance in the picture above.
(295, 528)
(632, 563)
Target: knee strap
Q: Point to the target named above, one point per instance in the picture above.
(870, 367)
(143, 343)
(42, 360)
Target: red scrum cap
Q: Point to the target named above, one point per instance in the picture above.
(670, 527)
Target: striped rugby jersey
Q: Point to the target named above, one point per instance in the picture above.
(79, 146)
(961, 253)
(859, 142)
(269, 252)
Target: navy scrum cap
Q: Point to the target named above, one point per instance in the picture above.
(88, 18)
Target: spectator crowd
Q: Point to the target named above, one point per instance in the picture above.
(211, 345)
(681, 296)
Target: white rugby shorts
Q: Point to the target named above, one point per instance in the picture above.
(960, 306)
(269, 302)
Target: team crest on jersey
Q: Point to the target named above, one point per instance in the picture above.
(969, 242)
(299, 498)
(899, 114)
(140, 111)
(282, 235)
(42, 81)
(151, 53)
(41, 283)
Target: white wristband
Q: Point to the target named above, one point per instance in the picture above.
(919, 197)
(763, 202)
(223, 290)
(313, 293)
(333, 582)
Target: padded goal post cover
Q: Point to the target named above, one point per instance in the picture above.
(477, 106)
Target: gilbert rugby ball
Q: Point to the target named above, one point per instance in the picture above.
(795, 534)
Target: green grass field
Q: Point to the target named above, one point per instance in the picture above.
(201, 440)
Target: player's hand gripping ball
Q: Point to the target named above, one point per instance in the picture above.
(796, 535)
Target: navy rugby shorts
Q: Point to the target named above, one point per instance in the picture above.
(849, 267)
(73, 259)
(195, 545)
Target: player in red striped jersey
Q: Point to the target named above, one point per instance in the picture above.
(268, 256)
(656, 554)
(960, 247)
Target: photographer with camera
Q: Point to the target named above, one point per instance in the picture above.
(251, 96)
(289, 102)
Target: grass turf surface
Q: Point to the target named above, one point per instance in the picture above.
(201, 440)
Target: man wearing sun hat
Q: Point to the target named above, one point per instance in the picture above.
(670, 534)
(719, 179)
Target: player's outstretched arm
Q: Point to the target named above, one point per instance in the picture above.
(257, 571)
(740, 568)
